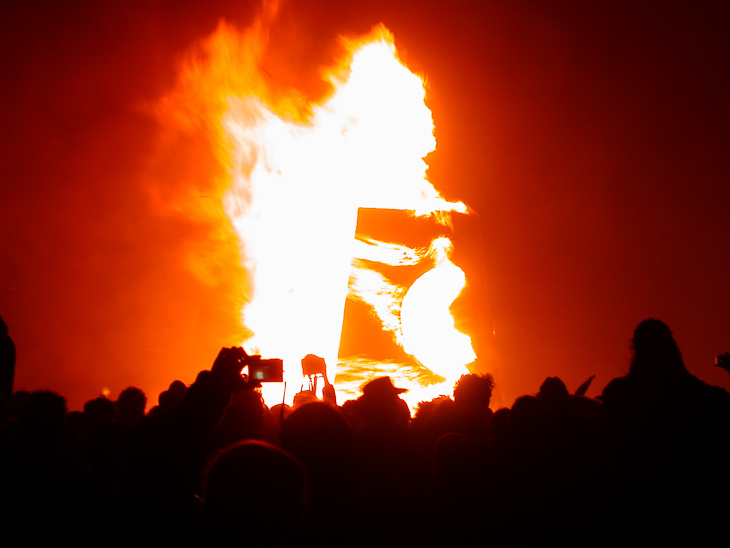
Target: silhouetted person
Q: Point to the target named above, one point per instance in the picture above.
(672, 438)
(659, 404)
(499, 428)
(42, 486)
(421, 425)
(472, 396)
(7, 362)
(388, 453)
(469, 414)
(576, 447)
(164, 454)
(322, 440)
(100, 446)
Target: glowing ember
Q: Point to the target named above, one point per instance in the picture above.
(299, 174)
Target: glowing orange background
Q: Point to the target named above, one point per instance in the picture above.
(590, 139)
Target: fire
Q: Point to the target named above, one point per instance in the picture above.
(428, 327)
(298, 174)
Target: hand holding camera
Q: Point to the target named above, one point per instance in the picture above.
(228, 366)
(723, 361)
(231, 361)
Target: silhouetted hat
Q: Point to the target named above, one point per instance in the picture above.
(382, 386)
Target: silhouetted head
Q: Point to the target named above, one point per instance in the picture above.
(131, 405)
(527, 417)
(281, 411)
(654, 350)
(553, 392)
(322, 440)
(244, 416)
(254, 491)
(499, 427)
(439, 405)
(652, 334)
(98, 412)
(43, 415)
(132, 400)
(380, 402)
(168, 399)
(472, 394)
(304, 397)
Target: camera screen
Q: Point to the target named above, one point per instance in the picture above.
(267, 370)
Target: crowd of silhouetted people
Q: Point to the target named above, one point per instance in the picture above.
(645, 462)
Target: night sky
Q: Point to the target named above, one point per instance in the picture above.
(590, 139)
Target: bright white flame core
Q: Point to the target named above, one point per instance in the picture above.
(436, 343)
(294, 201)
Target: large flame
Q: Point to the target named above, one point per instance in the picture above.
(299, 174)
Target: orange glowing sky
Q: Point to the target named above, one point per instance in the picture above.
(590, 139)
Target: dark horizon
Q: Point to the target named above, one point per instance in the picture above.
(590, 141)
